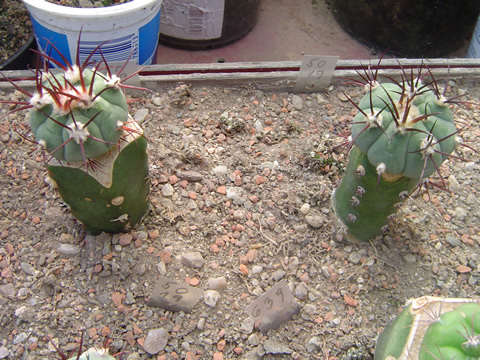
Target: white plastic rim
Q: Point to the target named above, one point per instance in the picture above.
(129, 29)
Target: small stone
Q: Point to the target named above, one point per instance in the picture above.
(125, 239)
(211, 297)
(297, 102)
(275, 347)
(314, 344)
(460, 213)
(301, 292)
(453, 183)
(4, 352)
(189, 175)
(355, 257)
(410, 258)
(305, 209)
(167, 190)
(7, 290)
(140, 115)
(253, 339)
(452, 240)
(156, 341)
(278, 274)
(193, 259)
(69, 249)
(314, 219)
(27, 268)
(217, 283)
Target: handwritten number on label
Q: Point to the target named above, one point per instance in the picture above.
(315, 73)
(268, 303)
(175, 288)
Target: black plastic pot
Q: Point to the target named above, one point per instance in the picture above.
(409, 28)
(23, 58)
(239, 17)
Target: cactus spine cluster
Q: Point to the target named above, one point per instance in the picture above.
(403, 131)
(432, 328)
(96, 152)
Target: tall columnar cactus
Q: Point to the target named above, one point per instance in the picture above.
(403, 132)
(432, 328)
(96, 152)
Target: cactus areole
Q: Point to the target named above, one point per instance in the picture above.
(431, 328)
(402, 133)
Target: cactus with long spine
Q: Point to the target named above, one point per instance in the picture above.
(432, 328)
(403, 131)
(96, 153)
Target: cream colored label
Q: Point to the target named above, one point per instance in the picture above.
(192, 19)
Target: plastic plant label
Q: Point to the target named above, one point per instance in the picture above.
(315, 73)
(172, 295)
(276, 306)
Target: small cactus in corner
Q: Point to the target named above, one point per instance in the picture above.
(431, 328)
(403, 132)
(95, 152)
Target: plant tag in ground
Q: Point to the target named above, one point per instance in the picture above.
(173, 295)
(273, 308)
(315, 73)
(117, 68)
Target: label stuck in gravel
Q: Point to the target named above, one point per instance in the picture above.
(174, 296)
(273, 308)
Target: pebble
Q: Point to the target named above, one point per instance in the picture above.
(275, 347)
(193, 259)
(69, 249)
(156, 341)
(217, 283)
(355, 257)
(278, 274)
(410, 258)
(4, 352)
(253, 340)
(314, 219)
(7, 290)
(167, 190)
(189, 175)
(305, 209)
(452, 240)
(301, 292)
(211, 297)
(140, 115)
(297, 102)
(314, 344)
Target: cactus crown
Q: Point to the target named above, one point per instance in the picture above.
(405, 127)
(78, 114)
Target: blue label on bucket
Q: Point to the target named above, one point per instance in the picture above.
(148, 39)
(51, 43)
(140, 45)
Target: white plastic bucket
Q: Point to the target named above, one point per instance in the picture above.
(128, 30)
(474, 48)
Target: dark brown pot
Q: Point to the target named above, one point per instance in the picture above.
(409, 28)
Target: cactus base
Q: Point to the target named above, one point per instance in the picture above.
(113, 194)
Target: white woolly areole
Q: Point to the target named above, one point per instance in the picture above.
(113, 81)
(427, 147)
(441, 100)
(79, 133)
(73, 74)
(381, 168)
(38, 101)
(375, 119)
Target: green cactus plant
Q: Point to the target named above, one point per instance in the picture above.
(403, 131)
(431, 328)
(96, 152)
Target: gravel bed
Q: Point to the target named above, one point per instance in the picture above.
(241, 185)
